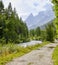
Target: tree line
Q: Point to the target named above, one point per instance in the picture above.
(47, 34)
(13, 29)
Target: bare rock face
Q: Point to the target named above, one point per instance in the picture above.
(41, 18)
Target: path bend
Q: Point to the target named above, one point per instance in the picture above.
(42, 56)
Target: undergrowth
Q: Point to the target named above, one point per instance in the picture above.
(55, 56)
(11, 51)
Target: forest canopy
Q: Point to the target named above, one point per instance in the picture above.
(12, 27)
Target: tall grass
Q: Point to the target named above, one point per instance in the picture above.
(55, 56)
(11, 51)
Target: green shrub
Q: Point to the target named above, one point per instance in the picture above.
(55, 56)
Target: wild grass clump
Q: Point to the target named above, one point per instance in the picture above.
(11, 51)
(55, 56)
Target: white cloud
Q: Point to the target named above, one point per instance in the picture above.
(25, 7)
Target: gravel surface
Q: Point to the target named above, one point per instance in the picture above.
(42, 56)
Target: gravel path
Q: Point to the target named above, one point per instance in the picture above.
(42, 56)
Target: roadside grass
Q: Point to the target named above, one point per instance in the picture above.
(11, 51)
(55, 56)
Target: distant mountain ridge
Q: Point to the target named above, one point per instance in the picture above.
(42, 18)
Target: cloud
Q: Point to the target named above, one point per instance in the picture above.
(25, 7)
(36, 4)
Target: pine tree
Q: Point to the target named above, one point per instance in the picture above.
(1, 18)
(38, 31)
(1, 7)
(11, 27)
(50, 32)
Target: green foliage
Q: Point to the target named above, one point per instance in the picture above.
(50, 32)
(55, 1)
(1, 6)
(11, 51)
(56, 13)
(32, 32)
(43, 35)
(35, 34)
(38, 31)
(55, 56)
(11, 26)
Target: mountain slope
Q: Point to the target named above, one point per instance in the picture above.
(42, 18)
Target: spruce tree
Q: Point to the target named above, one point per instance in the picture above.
(38, 31)
(1, 6)
(50, 32)
(1, 18)
(12, 28)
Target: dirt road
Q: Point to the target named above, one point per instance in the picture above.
(42, 56)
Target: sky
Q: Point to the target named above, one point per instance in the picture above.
(25, 7)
